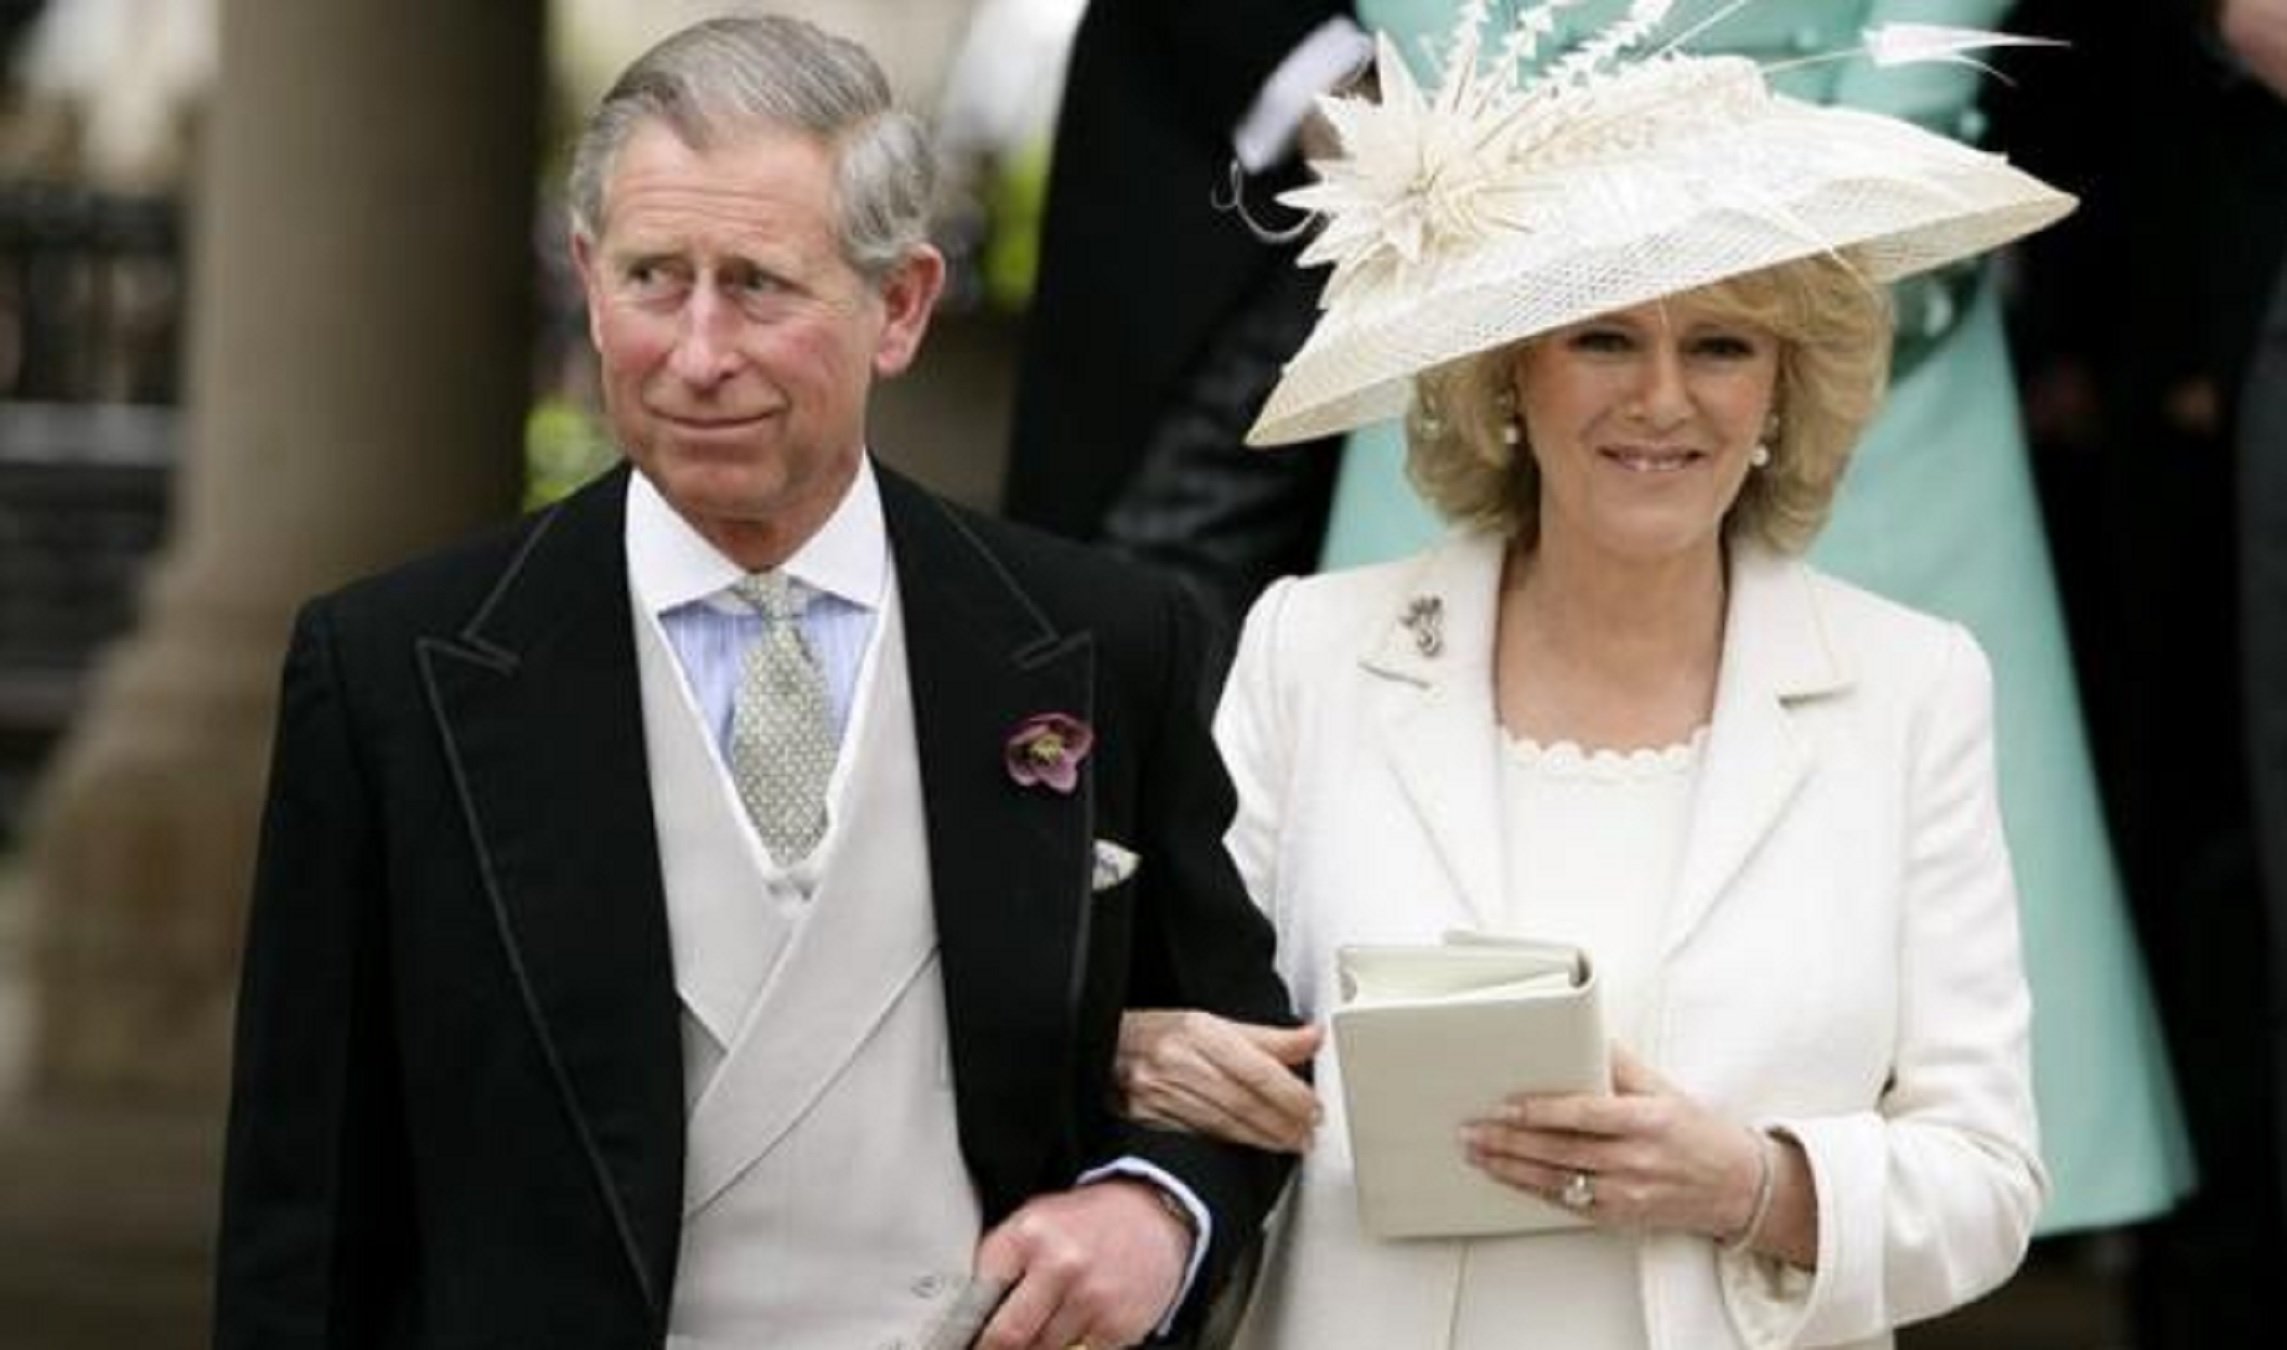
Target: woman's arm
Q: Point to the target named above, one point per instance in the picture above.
(1928, 1200)
(1229, 1079)
(1234, 1081)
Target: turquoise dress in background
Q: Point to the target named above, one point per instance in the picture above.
(1938, 512)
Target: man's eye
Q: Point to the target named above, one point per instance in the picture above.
(648, 278)
(755, 282)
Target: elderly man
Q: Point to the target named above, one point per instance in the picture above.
(700, 914)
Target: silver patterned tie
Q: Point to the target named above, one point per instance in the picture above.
(782, 727)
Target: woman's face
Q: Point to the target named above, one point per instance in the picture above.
(1642, 421)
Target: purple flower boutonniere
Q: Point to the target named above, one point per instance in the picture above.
(1045, 750)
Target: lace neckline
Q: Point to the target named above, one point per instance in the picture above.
(1570, 759)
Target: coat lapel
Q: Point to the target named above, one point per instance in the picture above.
(1775, 653)
(1009, 866)
(1436, 718)
(537, 703)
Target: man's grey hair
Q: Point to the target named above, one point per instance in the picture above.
(716, 80)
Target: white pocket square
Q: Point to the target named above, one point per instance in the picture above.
(1113, 865)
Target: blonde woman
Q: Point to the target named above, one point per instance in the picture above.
(1639, 325)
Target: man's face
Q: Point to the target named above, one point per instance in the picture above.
(737, 344)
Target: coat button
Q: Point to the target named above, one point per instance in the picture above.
(1808, 38)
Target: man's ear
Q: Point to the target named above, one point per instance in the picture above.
(908, 295)
(585, 261)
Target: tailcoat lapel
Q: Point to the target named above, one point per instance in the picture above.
(1009, 865)
(1775, 654)
(1435, 717)
(537, 704)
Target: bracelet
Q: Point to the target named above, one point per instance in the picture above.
(1765, 1183)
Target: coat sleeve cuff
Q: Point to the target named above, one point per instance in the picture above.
(1774, 1304)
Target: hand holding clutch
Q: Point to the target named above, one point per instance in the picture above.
(1645, 1156)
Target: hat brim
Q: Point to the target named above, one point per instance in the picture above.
(1883, 195)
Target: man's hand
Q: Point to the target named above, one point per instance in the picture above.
(1097, 1265)
(2257, 30)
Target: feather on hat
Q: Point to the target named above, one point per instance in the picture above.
(1492, 208)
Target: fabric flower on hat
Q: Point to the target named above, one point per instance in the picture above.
(1413, 180)
(1423, 175)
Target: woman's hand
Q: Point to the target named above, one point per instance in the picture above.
(1654, 1157)
(1232, 1080)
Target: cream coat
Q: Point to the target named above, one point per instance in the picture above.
(1840, 961)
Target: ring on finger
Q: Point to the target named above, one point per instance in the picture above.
(1579, 1191)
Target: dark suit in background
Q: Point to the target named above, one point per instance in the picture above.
(2257, 30)
(2263, 631)
(2134, 324)
(1161, 321)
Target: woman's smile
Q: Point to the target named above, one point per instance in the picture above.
(1651, 459)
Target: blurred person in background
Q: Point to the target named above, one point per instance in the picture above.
(1161, 320)
(701, 912)
(2134, 328)
(112, 90)
(2257, 33)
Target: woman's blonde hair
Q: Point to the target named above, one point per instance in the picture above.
(1833, 327)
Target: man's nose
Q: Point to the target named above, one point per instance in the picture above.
(706, 350)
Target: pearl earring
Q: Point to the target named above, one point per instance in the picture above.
(1426, 419)
(1506, 403)
(1759, 456)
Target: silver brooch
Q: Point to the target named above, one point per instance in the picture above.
(1425, 617)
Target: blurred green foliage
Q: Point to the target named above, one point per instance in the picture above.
(564, 446)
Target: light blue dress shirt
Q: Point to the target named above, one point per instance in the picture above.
(711, 637)
(685, 582)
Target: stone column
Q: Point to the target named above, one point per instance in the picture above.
(359, 355)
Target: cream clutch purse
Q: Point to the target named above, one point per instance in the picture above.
(1430, 1037)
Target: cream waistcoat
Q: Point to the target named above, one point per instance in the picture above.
(815, 1041)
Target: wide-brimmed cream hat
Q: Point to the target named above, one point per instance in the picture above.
(1494, 208)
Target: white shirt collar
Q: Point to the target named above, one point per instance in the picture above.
(670, 564)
